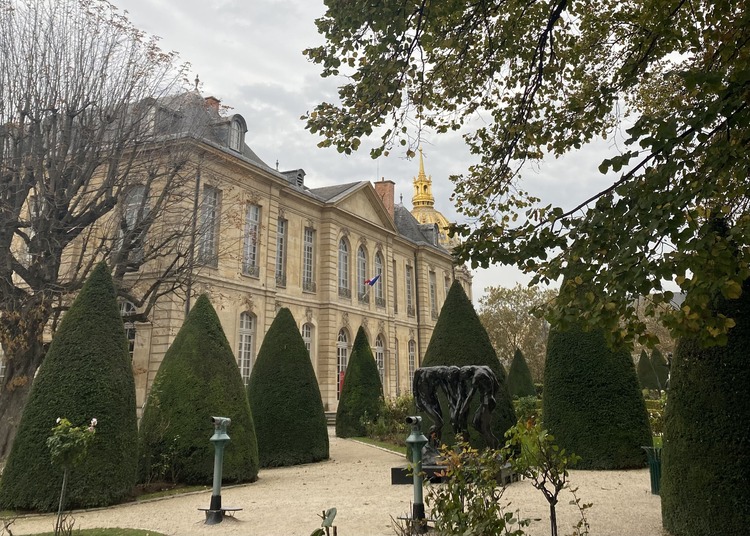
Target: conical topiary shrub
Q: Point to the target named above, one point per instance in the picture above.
(592, 403)
(520, 383)
(646, 374)
(198, 379)
(460, 339)
(290, 421)
(705, 483)
(86, 373)
(362, 392)
(661, 368)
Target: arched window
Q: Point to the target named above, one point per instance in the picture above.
(379, 296)
(307, 336)
(246, 348)
(235, 135)
(344, 288)
(380, 358)
(362, 275)
(342, 356)
(412, 361)
(127, 309)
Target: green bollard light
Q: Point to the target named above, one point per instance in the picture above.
(417, 440)
(215, 513)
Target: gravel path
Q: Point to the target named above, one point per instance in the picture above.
(356, 480)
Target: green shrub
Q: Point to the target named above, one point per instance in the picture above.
(86, 373)
(198, 379)
(390, 426)
(592, 403)
(470, 502)
(520, 383)
(527, 409)
(460, 339)
(362, 392)
(661, 368)
(290, 421)
(705, 484)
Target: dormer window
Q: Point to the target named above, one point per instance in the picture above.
(235, 135)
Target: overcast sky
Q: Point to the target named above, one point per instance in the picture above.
(248, 54)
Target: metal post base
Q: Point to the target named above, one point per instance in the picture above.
(214, 517)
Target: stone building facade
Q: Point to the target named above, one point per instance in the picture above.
(264, 240)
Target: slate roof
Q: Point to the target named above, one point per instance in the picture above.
(329, 193)
(408, 227)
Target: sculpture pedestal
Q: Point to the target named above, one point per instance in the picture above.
(403, 475)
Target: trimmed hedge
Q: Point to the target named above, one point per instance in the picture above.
(646, 374)
(86, 373)
(592, 403)
(661, 368)
(290, 421)
(198, 379)
(705, 484)
(460, 339)
(520, 383)
(362, 393)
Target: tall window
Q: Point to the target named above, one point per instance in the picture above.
(364, 297)
(380, 358)
(250, 250)
(34, 212)
(397, 365)
(246, 349)
(395, 289)
(345, 290)
(235, 135)
(379, 296)
(208, 242)
(409, 291)
(433, 296)
(308, 260)
(342, 354)
(307, 336)
(412, 361)
(447, 284)
(281, 239)
(127, 309)
(134, 211)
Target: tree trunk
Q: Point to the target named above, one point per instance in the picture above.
(19, 374)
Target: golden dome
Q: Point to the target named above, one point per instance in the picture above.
(424, 206)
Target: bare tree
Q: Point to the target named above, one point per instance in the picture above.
(506, 314)
(90, 170)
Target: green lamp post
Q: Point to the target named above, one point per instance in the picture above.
(215, 513)
(417, 441)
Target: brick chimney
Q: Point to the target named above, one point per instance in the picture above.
(385, 190)
(212, 103)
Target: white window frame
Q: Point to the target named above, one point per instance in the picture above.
(282, 228)
(251, 241)
(208, 244)
(126, 309)
(412, 361)
(308, 260)
(343, 269)
(361, 273)
(379, 297)
(410, 290)
(380, 358)
(246, 345)
(342, 358)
